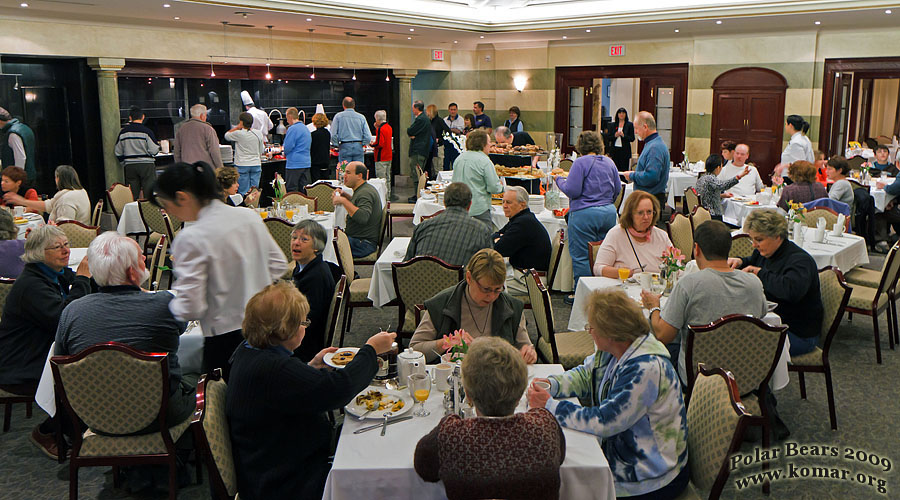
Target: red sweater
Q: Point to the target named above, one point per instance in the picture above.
(383, 151)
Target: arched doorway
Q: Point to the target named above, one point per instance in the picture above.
(748, 108)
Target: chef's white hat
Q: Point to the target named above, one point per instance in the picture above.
(245, 98)
(320, 109)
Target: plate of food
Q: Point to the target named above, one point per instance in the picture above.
(20, 220)
(341, 357)
(379, 400)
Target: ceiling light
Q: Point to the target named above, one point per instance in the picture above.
(212, 72)
(354, 74)
(166, 6)
(177, 18)
(818, 23)
(482, 36)
(308, 19)
(886, 12)
(565, 37)
(16, 86)
(587, 31)
(23, 4)
(718, 22)
(677, 30)
(409, 38)
(340, 67)
(172, 82)
(412, 29)
(387, 76)
(268, 74)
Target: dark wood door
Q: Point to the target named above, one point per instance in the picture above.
(577, 108)
(661, 97)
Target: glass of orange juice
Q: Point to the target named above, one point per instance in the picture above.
(263, 213)
(624, 273)
(420, 388)
(289, 212)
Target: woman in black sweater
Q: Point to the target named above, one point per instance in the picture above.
(320, 149)
(619, 128)
(312, 276)
(276, 403)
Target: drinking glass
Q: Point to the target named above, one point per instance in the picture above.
(263, 213)
(624, 273)
(289, 212)
(420, 388)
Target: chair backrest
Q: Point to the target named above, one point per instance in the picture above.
(593, 248)
(835, 295)
(298, 198)
(158, 261)
(619, 197)
(557, 247)
(426, 217)
(118, 196)
(681, 234)
(539, 298)
(281, 230)
(79, 234)
(336, 310)
(211, 431)
(743, 345)
(113, 388)
(698, 216)
(252, 201)
(423, 182)
(173, 225)
(419, 279)
(322, 191)
(812, 217)
(344, 255)
(890, 270)
(6, 285)
(565, 164)
(691, 199)
(741, 245)
(855, 184)
(98, 211)
(717, 420)
(152, 216)
(855, 162)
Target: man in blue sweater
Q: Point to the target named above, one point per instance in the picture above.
(652, 171)
(296, 152)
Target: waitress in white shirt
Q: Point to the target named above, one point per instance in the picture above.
(619, 135)
(221, 260)
(800, 148)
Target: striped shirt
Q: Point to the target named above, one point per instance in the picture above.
(136, 144)
(452, 236)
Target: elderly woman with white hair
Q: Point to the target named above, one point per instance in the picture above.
(313, 277)
(523, 240)
(32, 310)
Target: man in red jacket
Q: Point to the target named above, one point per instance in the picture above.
(383, 150)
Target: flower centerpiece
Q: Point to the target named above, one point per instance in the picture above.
(797, 212)
(456, 345)
(672, 262)
(280, 190)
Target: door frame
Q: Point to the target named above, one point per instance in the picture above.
(678, 70)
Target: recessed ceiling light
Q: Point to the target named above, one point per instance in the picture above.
(718, 22)
(166, 6)
(409, 38)
(308, 19)
(482, 36)
(818, 23)
(887, 11)
(340, 67)
(177, 18)
(587, 31)
(23, 4)
(677, 30)
(565, 37)
(412, 29)
(455, 41)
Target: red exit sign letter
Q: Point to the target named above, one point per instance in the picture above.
(616, 50)
(437, 55)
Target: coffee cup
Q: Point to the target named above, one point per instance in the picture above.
(441, 373)
(20, 211)
(645, 279)
(543, 384)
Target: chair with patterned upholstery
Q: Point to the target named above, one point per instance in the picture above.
(566, 348)
(118, 195)
(298, 198)
(717, 420)
(369, 260)
(691, 200)
(117, 391)
(619, 197)
(566, 164)
(98, 211)
(745, 346)
(835, 295)
(681, 234)
(79, 234)
(155, 222)
(741, 246)
(322, 192)
(872, 301)
(830, 216)
(405, 210)
(158, 263)
(416, 281)
(337, 313)
(358, 287)
(557, 247)
(871, 278)
(593, 249)
(698, 216)
(212, 436)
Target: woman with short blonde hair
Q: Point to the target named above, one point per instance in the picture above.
(635, 407)
(274, 315)
(488, 266)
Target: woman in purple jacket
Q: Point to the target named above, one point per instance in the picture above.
(592, 186)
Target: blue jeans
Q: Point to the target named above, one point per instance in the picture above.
(586, 225)
(360, 248)
(351, 151)
(800, 345)
(247, 178)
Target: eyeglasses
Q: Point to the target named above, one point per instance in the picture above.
(490, 290)
(588, 327)
(305, 323)
(58, 247)
(303, 238)
(644, 213)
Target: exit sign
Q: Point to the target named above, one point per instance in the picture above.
(437, 55)
(616, 50)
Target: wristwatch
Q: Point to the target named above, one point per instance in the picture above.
(655, 309)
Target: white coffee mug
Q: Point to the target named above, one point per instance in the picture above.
(645, 279)
(20, 211)
(441, 373)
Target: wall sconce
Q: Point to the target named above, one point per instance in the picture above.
(519, 82)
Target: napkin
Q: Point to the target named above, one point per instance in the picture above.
(838, 229)
(821, 223)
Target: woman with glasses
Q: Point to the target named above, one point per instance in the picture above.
(31, 314)
(479, 306)
(635, 244)
(313, 277)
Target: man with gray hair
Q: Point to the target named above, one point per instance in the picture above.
(523, 240)
(123, 312)
(504, 135)
(651, 174)
(451, 235)
(196, 140)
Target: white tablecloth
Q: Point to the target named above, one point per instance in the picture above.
(370, 466)
(577, 319)
(445, 176)
(678, 182)
(34, 221)
(378, 183)
(880, 197)
(381, 289)
(734, 212)
(845, 252)
(130, 220)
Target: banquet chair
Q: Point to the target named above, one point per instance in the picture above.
(157, 223)
(698, 216)
(405, 210)
(416, 281)
(691, 200)
(855, 162)
(835, 295)
(557, 247)
(7, 399)
(872, 301)
(358, 287)
(745, 346)
(255, 202)
(79, 234)
(426, 217)
(566, 348)
(117, 391)
(831, 217)
(593, 249)
(871, 278)
(565, 164)
(337, 313)
(281, 230)
(212, 437)
(98, 211)
(741, 246)
(158, 264)
(681, 234)
(717, 420)
(298, 198)
(619, 197)
(369, 260)
(118, 195)
(322, 192)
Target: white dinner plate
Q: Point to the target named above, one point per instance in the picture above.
(327, 357)
(357, 410)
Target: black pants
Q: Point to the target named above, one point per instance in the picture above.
(670, 491)
(621, 157)
(217, 351)
(140, 176)
(296, 179)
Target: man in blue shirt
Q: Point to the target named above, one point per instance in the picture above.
(349, 132)
(481, 120)
(296, 152)
(652, 171)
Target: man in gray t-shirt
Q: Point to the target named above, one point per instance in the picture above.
(705, 296)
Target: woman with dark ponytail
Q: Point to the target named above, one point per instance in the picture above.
(800, 148)
(221, 260)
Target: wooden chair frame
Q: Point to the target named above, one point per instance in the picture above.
(691, 200)
(689, 254)
(315, 202)
(737, 237)
(216, 484)
(422, 183)
(97, 213)
(556, 259)
(319, 183)
(155, 264)
(545, 297)
(112, 205)
(846, 219)
(886, 284)
(619, 197)
(426, 217)
(379, 246)
(62, 224)
(401, 305)
(350, 304)
(591, 256)
(694, 213)
(340, 305)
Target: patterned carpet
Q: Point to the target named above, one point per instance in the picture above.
(866, 406)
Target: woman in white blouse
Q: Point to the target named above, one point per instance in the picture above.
(221, 260)
(799, 148)
(71, 202)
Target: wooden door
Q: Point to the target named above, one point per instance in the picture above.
(663, 97)
(577, 109)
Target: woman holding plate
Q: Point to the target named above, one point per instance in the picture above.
(276, 404)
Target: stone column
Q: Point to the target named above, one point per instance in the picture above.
(110, 123)
(404, 78)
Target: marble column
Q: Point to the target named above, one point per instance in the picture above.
(404, 78)
(110, 122)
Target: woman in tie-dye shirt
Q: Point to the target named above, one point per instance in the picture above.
(636, 410)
